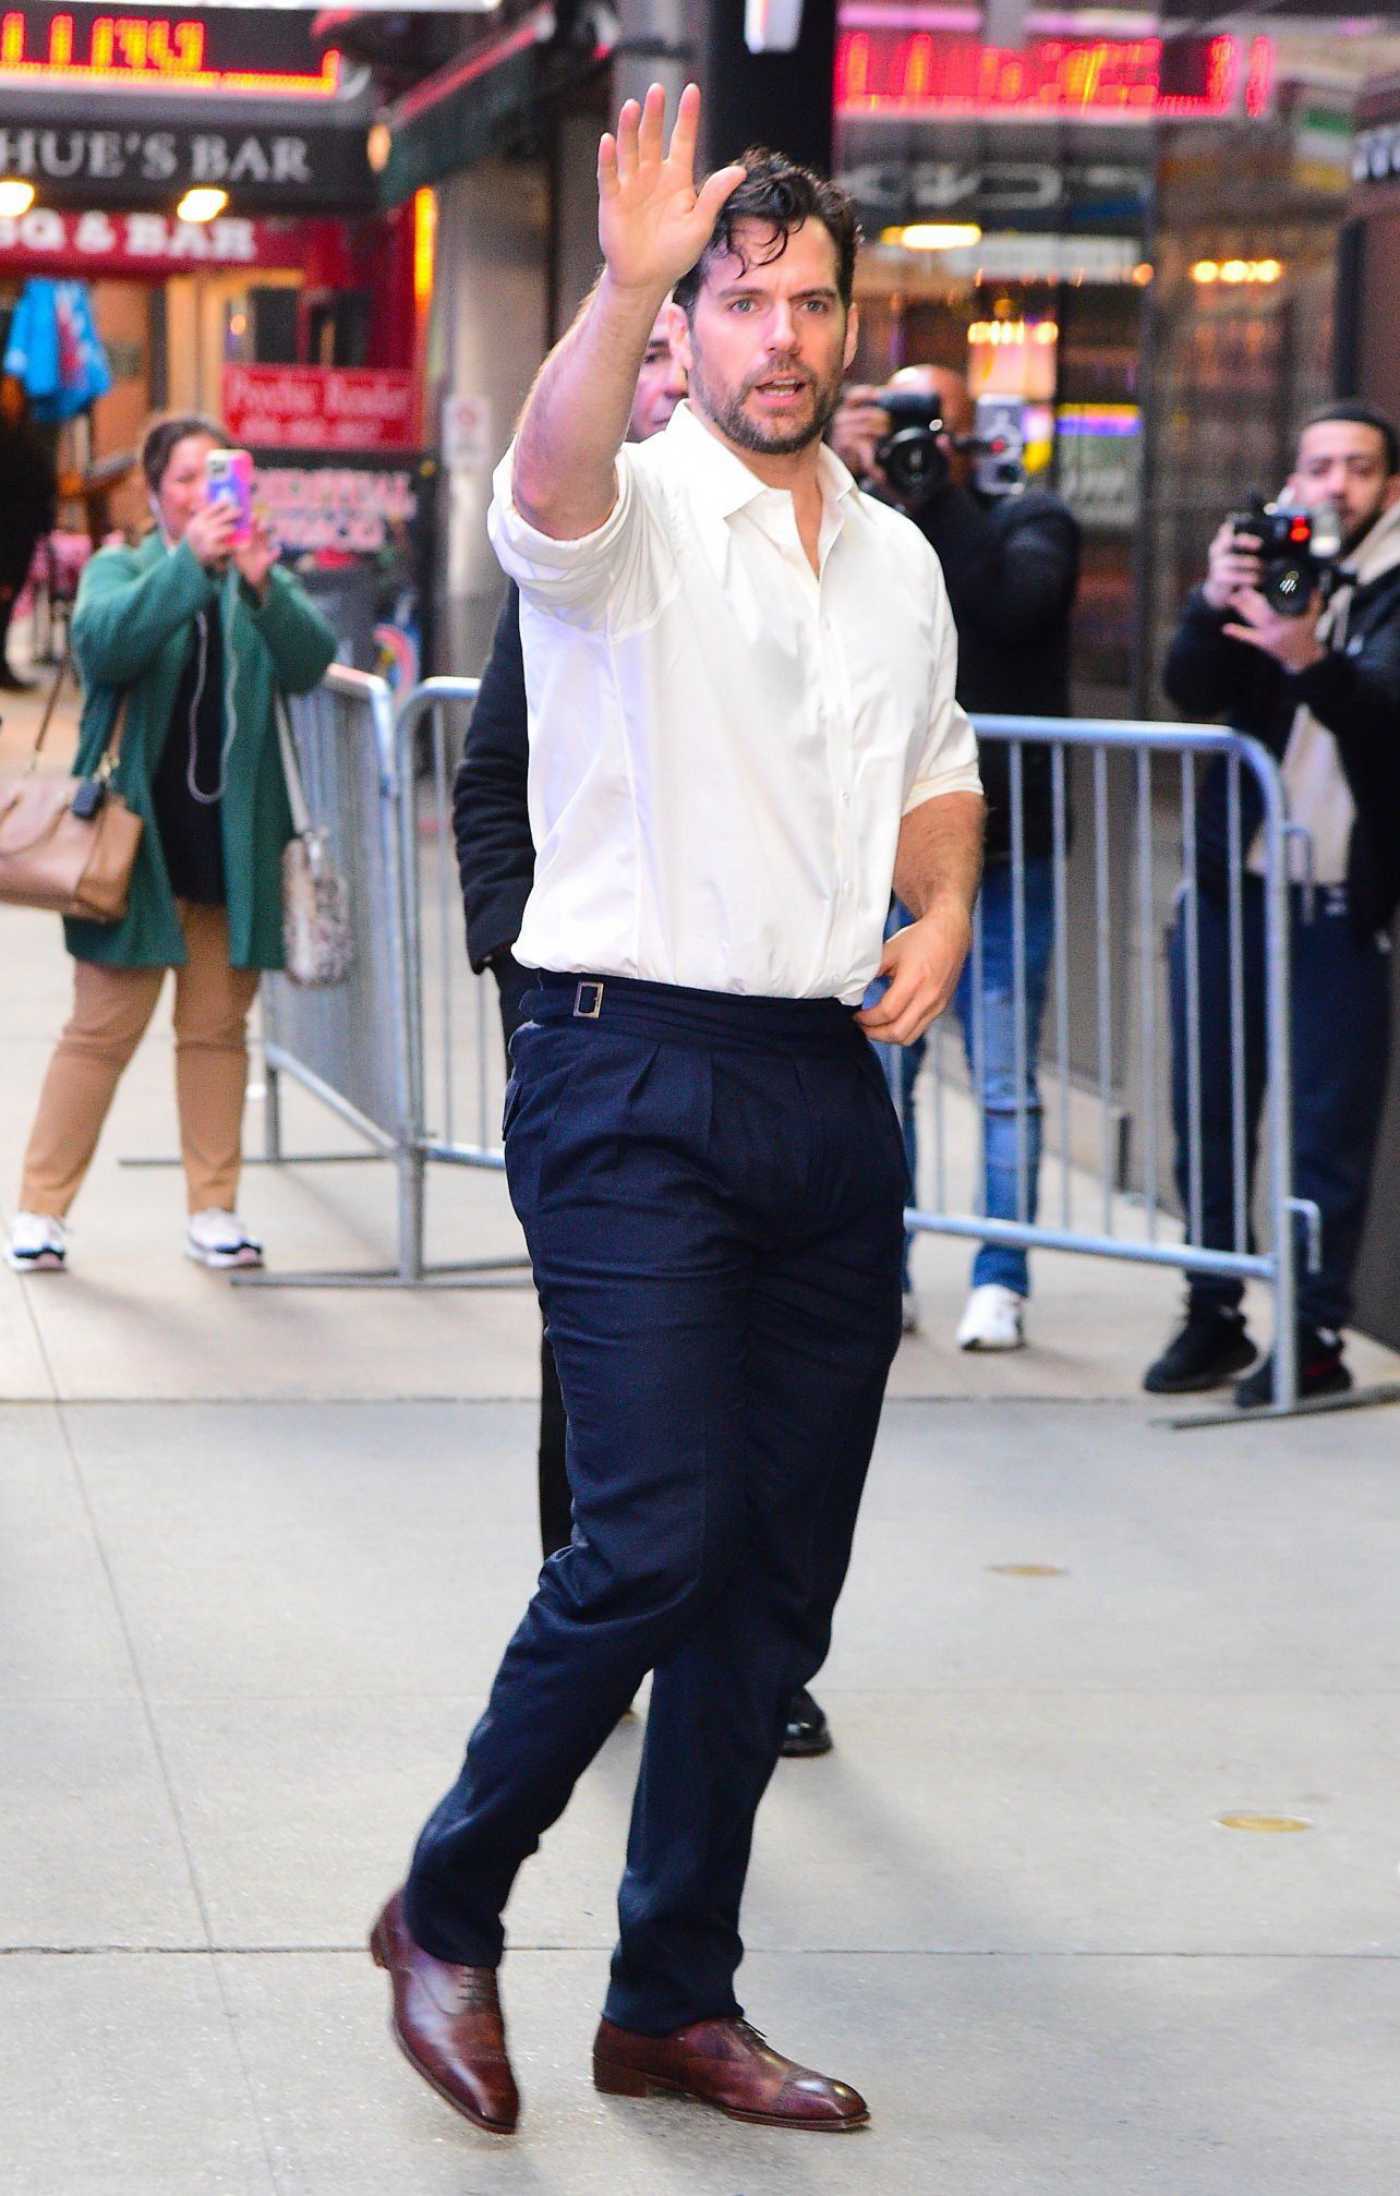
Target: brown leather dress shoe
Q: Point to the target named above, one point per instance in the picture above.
(447, 2023)
(725, 2063)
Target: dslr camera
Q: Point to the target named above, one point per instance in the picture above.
(1297, 549)
(914, 459)
(910, 456)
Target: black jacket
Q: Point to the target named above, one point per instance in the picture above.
(1354, 692)
(490, 815)
(28, 496)
(1012, 568)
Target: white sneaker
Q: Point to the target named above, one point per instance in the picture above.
(38, 1244)
(216, 1238)
(992, 1320)
(909, 1314)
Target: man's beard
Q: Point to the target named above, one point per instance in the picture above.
(728, 414)
(1356, 534)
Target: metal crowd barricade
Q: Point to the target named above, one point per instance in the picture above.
(350, 1044)
(457, 1031)
(408, 1052)
(412, 1019)
(455, 1034)
(1134, 748)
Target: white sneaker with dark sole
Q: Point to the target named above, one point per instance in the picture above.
(38, 1244)
(993, 1319)
(219, 1239)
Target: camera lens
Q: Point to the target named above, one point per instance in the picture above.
(913, 460)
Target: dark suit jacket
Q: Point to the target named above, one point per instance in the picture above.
(490, 818)
(1012, 568)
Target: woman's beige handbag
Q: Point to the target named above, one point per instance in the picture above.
(68, 845)
(318, 942)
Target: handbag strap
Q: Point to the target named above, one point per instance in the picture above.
(52, 702)
(111, 751)
(291, 770)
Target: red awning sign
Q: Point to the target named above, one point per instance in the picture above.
(48, 241)
(320, 407)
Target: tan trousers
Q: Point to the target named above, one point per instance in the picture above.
(111, 1008)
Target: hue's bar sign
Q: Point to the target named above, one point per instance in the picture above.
(103, 164)
(319, 407)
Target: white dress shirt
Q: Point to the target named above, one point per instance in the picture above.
(722, 742)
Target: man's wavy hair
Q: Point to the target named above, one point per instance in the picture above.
(780, 197)
(1354, 411)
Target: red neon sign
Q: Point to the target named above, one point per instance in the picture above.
(51, 47)
(1139, 79)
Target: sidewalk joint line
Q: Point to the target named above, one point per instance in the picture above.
(761, 1951)
(275, 2180)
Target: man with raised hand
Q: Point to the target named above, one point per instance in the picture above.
(740, 676)
(496, 864)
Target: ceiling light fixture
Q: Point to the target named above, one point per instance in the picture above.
(934, 236)
(204, 203)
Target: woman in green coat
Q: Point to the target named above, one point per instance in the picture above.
(198, 635)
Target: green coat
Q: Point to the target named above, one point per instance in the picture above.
(133, 627)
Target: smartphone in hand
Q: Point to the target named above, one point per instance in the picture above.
(228, 478)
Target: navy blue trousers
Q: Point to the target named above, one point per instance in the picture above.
(1341, 1045)
(711, 1188)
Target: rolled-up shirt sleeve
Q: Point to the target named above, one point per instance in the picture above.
(947, 761)
(585, 581)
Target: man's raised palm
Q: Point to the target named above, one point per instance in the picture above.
(653, 224)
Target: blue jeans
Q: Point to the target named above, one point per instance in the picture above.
(996, 1084)
(1341, 1049)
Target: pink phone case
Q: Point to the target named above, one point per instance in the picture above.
(229, 478)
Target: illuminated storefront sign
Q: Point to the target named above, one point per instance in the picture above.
(359, 509)
(264, 168)
(229, 52)
(1014, 257)
(320, 407)
(1375, 155)
(883, 72)
(999, 194)
(46, 240)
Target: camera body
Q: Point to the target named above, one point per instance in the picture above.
(911, 457)
(914, 456)
(228, 478)
(999, 448)
(1297, 549)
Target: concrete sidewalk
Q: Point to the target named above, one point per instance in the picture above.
(241, 1644)
(259, 1552)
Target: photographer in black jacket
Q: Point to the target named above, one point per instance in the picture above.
(1011, 562)
(1322, 692)
(496, 863)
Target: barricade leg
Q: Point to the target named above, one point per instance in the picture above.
(272, 1115)
(411, 1200)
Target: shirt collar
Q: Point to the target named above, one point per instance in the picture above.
(723, 479)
